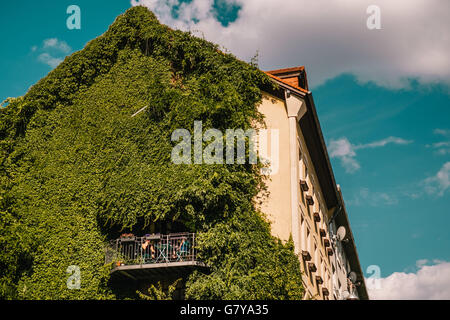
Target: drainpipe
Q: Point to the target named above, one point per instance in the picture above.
(296, 109)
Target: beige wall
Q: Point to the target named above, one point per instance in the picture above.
(277, 205)
(314, 244)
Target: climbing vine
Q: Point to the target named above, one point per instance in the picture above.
(76, 169)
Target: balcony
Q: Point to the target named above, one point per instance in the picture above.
(322, 232)
(153, 256)
(304, 185)
(329, 251)
(316, 216)
(309, 200)
(306, 256)
(312, 267)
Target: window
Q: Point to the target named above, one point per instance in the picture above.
(305, 267)
(328, 279)
(308, 240)
(315, 254)
(321, 268)
(308, 209)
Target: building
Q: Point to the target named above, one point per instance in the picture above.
(303, 199)
(303, 202)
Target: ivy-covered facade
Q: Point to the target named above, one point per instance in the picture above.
(77, 170)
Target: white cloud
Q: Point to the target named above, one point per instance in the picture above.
(439, 183)
(52, 51)
(366, 197)
(49, 60)
(443, 151)
(422, 262)
(329, 37)
(56, 44)
(430, 282)
(382, 143)
(441, 144)
(345, 151)
(341, 148)
(442, 132)
(443, 147)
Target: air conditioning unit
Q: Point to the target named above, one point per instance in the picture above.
(309, 200)
(322, 232)
(316, 217)
(326, 242)
(312, 267)
(306, 256)
(329, 251)
(304, 185)
(325, 292)
(319, 279)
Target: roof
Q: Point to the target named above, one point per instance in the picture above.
(287, 70)
(295, 77)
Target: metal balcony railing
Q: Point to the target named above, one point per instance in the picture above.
(151, 249)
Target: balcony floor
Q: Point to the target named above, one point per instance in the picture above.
(157, 270)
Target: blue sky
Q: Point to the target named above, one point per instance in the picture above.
(28, 25)
(384, 108)
(396, 218)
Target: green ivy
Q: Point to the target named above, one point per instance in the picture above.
(77, 169)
